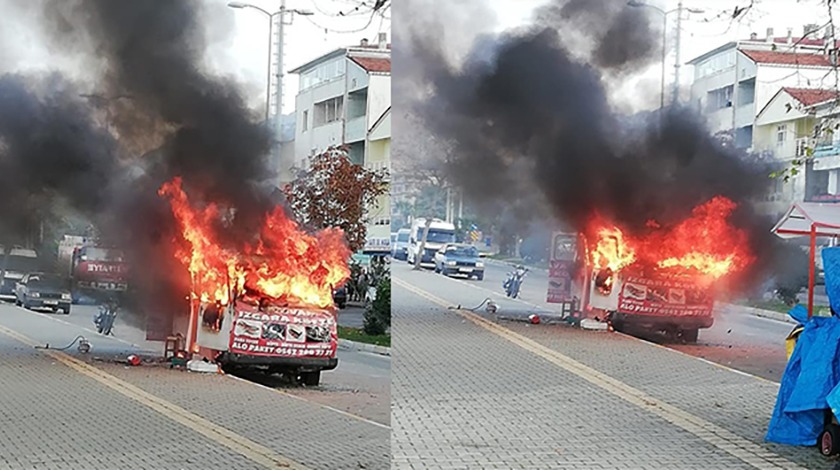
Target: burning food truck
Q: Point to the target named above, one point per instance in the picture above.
(258, 332)
(267, 304)
(663, 281)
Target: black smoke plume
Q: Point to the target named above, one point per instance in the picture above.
(531, 117)
(171, 117)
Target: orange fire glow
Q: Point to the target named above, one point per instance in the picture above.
(705, 245)
(283, 263)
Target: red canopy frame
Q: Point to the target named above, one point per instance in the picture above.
(812, 220)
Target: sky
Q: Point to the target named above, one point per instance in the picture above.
(700, 32)
(237, 40)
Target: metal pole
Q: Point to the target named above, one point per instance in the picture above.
(676, 97)
(662, 82)
(268, 71)
(279, 52)
(811, 273)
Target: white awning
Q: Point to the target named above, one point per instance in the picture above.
(825, 217)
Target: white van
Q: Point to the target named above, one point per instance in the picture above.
(19, 263)
(440, 233)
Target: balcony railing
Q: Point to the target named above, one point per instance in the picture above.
(354, 129)
(826, 149)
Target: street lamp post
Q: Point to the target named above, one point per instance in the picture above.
(678, 10)
(281, 12)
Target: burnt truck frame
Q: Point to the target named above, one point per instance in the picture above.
(219, 331)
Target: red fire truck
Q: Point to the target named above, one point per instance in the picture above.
(94, 270)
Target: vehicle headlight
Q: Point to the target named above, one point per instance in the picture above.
(479, 264)
(34, 294)
(65, 297)
(451, 263)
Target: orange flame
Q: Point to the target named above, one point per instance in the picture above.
(284, 263)
(705, 245)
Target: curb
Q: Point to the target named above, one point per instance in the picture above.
(348, 345)
(758, 312)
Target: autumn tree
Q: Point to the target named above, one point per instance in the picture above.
(335, 192)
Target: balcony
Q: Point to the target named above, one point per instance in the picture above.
(827, 156)
(355, 129)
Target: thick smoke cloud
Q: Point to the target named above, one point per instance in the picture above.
(50, 149)
(170, 116)
(533, 117)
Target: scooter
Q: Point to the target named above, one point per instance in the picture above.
(514, 281)
(104, 321)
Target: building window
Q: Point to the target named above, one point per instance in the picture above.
(305, 124)
(719, 99)
(328, 111)
(780, 134)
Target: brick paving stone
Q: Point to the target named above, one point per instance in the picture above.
(54, 417)
(300, 430)
(737, 402)
(457, 386)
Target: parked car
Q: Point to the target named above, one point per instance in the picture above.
(459, 258)
(399, 248)
(340, 296)
(44, 291)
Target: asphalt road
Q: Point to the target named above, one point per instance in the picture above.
(739, 340)
(360, 385)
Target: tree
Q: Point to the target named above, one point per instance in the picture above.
(335, 192)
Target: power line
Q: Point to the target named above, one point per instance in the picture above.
(366, 26)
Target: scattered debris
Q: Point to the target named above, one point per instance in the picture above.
(133, 360)
(534, 319)
(198, 365)
(590, 324)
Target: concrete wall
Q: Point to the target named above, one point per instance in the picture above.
(379, 97)
(323, 136)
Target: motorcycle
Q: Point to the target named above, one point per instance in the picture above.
(514, 281)
(104, 321)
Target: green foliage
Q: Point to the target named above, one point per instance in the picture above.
(378, 313)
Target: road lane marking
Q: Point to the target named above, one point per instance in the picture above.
(257, 453)
(727, 441)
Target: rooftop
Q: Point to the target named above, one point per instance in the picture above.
(373, 64)
(811, 96)
(787, 58)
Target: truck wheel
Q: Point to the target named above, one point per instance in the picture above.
(829, 440)
(310, 379)
(689, 336)
(480, 277)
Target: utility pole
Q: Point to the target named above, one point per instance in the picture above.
(278, 55)
(676, 98)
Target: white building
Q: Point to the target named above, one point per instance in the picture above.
(379, 158)
(345, 99)
(341, 96)
(733, 82)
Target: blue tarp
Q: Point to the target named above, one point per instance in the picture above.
(812, 374)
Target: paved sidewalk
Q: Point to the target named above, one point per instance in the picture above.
(68, 411)
(472, 393)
